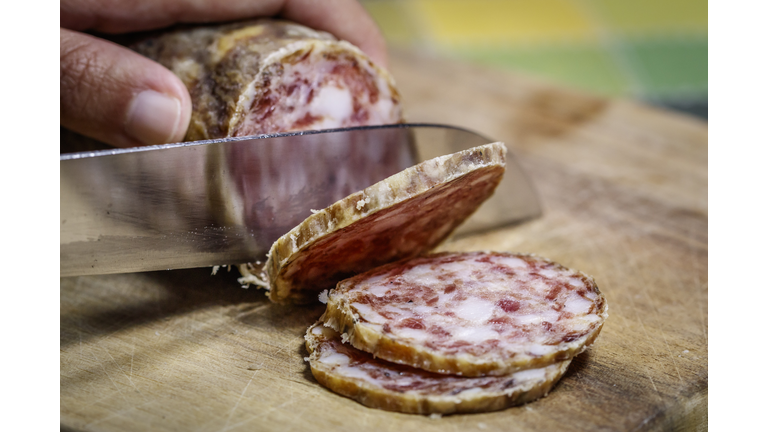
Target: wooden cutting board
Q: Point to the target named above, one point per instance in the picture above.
(624, 190)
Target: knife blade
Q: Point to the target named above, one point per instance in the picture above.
(225, 201)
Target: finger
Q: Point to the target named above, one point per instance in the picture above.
(117, 96)
(345, 19)
(120, 16)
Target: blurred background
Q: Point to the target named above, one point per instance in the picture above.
(650, 50)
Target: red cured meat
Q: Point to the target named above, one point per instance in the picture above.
(471, 314)
(380, 384)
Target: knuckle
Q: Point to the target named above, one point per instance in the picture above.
(84, 79)
(80, 66)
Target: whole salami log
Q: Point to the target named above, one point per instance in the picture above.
(268, 76)
(272, 76)
(402, 216)
(470, 314)
(393, 387)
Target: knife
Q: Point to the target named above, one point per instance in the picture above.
(225, 201)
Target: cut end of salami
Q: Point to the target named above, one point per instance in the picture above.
(380, 384)
(400, 217)
(469, 314)
(313, 85)
(270, 76)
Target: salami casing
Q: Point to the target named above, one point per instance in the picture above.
(268, 76)
(393, 387)
(272, 76)
(470, 314)
(401, 216)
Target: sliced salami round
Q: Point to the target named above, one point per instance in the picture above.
(268, 76)
(399, 217)
(380, 384)
(470, 314)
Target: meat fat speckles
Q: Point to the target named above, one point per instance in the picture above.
(469, 313)
(380, 384)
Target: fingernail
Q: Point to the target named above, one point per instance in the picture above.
(153, 117)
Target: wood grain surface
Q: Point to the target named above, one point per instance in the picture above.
(624, 190)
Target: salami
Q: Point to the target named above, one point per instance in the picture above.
(400, 217)
(268, 76)
(470, 314)
(393, 387)
(271, 76)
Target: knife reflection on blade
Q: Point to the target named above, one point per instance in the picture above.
(225, 201)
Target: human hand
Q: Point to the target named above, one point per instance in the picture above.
(117, 96)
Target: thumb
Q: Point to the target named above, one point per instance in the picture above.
(117, 96)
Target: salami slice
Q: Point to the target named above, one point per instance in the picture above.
(401, 216)
(269, 76)
(393, 387)
(470, 314)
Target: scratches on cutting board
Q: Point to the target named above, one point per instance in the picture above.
(662, 333)
(662, 267)
(117, 365)
(629, 259)
(700, 288)
(638, 354)
(170, 366)
(119, 413)
(114, 384)
(237, 403)
(626, 263)
(638, 314)
(271, 409)
(133, 352)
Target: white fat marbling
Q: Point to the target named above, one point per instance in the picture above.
(475, 310)
(379, 290)
(471, 391)
(424, 311)
(512, 262)
(416, 335)
(524, 320)
(547, 315)
(539, 349)
(577, 305)
(550, 273)
(355, 372)
(370, 315)
(317, 94)
(484, 304)
(333, 358)
(540, 286)
(532, 374)
(475, 334)
(397, 381)
(332, 103)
